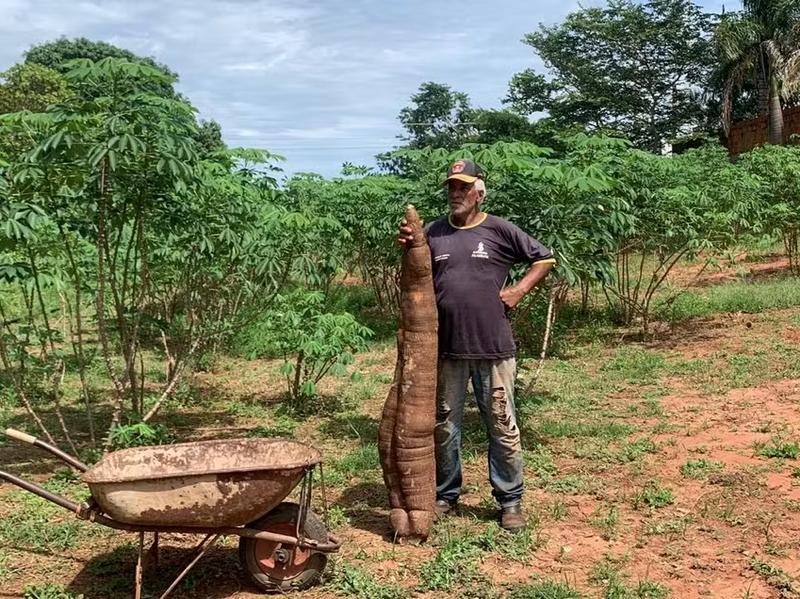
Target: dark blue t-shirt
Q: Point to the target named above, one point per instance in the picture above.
(470, 267)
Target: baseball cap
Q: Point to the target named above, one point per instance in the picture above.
(464, 170)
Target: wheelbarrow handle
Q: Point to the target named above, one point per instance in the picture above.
(41, 492)
(64, 457)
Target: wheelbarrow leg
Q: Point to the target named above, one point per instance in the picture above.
(138, 587)
(152, 553)
(202, 549)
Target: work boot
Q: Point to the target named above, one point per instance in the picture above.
(511, 518)
(443, 507)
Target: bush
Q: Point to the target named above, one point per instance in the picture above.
(140, 435)
(312, 342)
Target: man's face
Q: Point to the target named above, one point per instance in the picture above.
(462, 197)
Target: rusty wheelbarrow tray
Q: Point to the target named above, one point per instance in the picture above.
(216, 488)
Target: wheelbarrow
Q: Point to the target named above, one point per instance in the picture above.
(212, 488)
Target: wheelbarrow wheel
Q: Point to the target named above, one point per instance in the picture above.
(278, 568)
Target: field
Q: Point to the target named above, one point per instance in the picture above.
(664, 466)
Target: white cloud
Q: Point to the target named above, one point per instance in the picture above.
(323, 80)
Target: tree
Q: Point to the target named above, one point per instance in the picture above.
(633, 69)
(761, 44)
(438, 117)
(209, 138)
(58, 54)
(492, 126)
(31, 87)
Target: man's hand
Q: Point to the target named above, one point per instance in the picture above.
(511, 296)
(405, 234)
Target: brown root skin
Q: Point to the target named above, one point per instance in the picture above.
(398, 518)
(386, 436)
(418, 233)
(421, 522)
(406, 430)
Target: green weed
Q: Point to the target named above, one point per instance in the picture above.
(773, 576)
(351, 581)
(778, 448)
(363, 462)
(606, 519)
(572, 429)
(572, 484)
(749, 298)
(670, 526)
(337, 517)
(700, 469)
(517, 547)
(558, 510)
(48, 591)
(546, 589)
(139, 435)
(281, 426)
(6, 571)
(351, 425)
(30, 525)
(635, 365)
(654, 496)
(454, 564)
(634, 450)
(540, 462)
(608, 574)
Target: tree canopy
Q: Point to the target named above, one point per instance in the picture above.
(633, 69)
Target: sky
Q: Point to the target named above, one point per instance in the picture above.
(319, 82)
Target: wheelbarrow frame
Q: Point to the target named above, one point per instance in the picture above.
(91, 512)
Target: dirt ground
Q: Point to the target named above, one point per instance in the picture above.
(659, 468)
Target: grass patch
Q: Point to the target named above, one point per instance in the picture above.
(776, 447)
(48, 591)
(517, 547)
(363, 462)
(351, 425)
(539, 462)
(546, 589)
(337, 517)
(282, 426)
(351, 581)
(607, 573)
(572, 430)
(606, 520)
(774, 577)
(38, 525)
(454, 564)
(635, 365)
(572, 484)
(700, 469)
(749, 298)
(653, 495)
(634, 450)
(670, 526)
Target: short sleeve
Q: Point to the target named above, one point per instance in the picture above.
(527, 249)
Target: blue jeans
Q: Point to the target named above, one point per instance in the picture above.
(493, 384)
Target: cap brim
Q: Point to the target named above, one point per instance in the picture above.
(464, 178)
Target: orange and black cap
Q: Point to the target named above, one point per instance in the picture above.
(465, 170)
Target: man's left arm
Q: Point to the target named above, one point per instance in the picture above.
(511, 296)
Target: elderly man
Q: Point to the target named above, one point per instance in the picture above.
(472, 254)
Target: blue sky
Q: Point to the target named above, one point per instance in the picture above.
(319, 82)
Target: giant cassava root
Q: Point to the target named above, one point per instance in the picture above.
(409, 415)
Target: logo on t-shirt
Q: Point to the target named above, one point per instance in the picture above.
(480, 252)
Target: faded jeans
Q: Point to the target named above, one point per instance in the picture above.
(493, 384)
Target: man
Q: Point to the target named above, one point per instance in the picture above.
(472, 253)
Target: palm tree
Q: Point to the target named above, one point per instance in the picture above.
(761, 44)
